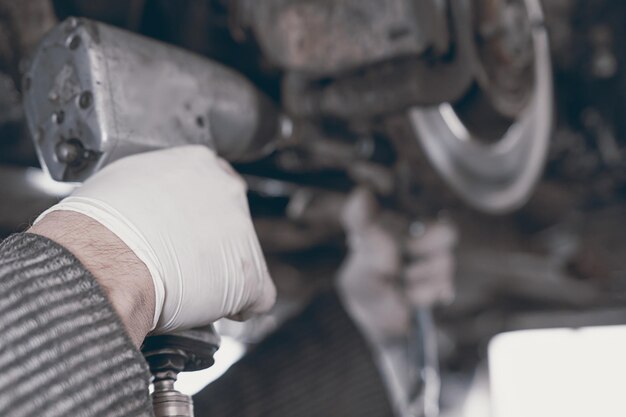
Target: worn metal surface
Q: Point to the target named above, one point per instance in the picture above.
(95, 94)
(328, 37)
(401, 81)
(505, 53)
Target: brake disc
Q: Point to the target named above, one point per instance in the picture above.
(491, 146)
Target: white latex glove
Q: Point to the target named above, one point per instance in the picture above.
(183, 212)
(387, 275)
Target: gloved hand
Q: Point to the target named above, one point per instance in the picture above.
(183, 212)
(388, 273)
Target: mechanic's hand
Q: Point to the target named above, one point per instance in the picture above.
(183, 212)
(388, 274)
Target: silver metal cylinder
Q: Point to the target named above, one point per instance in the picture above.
(167, 402)
(95, 93)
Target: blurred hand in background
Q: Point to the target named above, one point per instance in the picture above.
(392, 270)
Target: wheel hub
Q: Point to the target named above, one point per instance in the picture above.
(491, 145)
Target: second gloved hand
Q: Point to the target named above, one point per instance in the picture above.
(388, 274)
(184, 213)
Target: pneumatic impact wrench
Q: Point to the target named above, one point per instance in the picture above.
(94, 94)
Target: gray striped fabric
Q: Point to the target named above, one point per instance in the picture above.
(63, 350)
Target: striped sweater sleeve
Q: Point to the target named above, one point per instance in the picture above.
(63, 349)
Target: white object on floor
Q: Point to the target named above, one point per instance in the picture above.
(559, 372)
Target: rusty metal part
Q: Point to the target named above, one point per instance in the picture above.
(495, 175)
(505, 54)
(328, 37)
(332, 147)
(389, 86)
(97, 93)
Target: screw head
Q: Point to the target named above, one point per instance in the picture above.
(73, 42)
(69, 152)
(85, 99)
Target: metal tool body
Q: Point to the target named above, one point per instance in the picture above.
(95, 93)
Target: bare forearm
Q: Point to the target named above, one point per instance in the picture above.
(121, 274)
